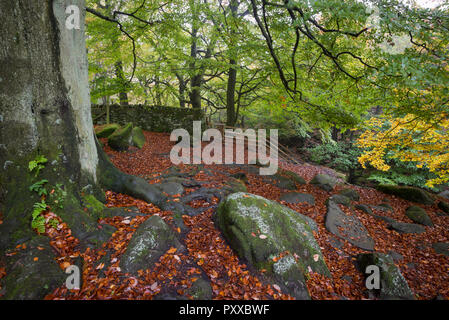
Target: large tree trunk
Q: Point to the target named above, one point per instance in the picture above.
(44, 104)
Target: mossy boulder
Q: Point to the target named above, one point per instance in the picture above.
(138, 138)
(441, 248)
(444, 206)
(200, 290)
(260, 230)
(350, 193)
(106, 130)
(293, 176)
(340, 199)
(281, 182)
(419, 215)
(121, 138)
(402, 227)
(235, 185)
(324, 182)
(407, 193)
(150, 241)
(393, 285)
(364, 208)
(384, 207)
(32, 273)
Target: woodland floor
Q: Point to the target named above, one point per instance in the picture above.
(426, 272)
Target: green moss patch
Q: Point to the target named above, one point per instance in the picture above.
(138, 138)
(106, 130)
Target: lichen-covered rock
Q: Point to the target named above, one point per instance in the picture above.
(444, 206)
(295, 197)
(351, 194)
(32, 273)
(138, 138)
(407, 193)
(347, 227)
(121, 138)
(419, 215)
(150, 241)
(106, 130)
(393, 285)
(324, 182)
(407, 227)
(259, 230)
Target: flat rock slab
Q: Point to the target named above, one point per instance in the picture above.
(347, 227)
(402, 227)
(295, 197)
(150, 241)
(351, 194)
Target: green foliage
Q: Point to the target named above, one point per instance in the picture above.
(58, 195)
(38, 221)
(38, 187)
(37, 164)
(340, 155)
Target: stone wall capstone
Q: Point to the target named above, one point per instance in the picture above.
(149, 118)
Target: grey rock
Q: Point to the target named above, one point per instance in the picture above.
(324, 182)
(444, 206)
(444, 194)
(347, 227)
(170, 188)
(393, 285)
(441, 248)
(259, 229)
(295, 197)
(150, 241)
(365, 208)
(340, 199)
(351, 194)
(407, 227)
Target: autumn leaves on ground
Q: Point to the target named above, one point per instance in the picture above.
(209, 257)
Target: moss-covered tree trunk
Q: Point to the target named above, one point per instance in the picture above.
(44, 109)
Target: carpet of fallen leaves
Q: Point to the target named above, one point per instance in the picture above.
(426, 272)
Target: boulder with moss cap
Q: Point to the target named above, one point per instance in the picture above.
(259, 230)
